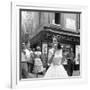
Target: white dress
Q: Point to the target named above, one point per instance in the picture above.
(56, 69)
(38, 65)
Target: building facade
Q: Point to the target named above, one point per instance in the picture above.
(40, 26)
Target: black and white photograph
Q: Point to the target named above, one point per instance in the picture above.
(45, 44)
(49, 44)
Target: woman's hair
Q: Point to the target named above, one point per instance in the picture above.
(58, 46)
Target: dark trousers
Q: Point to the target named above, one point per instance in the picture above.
(70, 67)
(30, 67)
(24, 70)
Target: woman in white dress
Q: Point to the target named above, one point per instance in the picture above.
(56, 69)
(38, 65)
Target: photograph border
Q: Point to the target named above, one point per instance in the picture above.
(15, 43)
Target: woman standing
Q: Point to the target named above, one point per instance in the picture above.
(38, 65)
(56, 69)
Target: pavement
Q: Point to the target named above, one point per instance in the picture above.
(75, 73)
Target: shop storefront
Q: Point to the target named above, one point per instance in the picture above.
(67, 39)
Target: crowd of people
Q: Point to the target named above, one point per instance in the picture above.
(35, 63)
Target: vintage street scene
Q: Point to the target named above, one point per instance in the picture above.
(49, 44)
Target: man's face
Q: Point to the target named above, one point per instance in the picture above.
(23, 46)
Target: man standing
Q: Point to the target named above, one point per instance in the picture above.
(29, 56)
(70, 62)
(24, 67)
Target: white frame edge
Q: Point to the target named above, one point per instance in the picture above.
(15, 6)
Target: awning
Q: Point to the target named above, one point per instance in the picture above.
(46, 34)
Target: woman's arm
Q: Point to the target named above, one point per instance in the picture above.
(50, 59)
(63, 59)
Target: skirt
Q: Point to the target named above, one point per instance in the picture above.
(38, 69)
(56, 71)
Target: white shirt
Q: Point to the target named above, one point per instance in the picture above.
(23, 57)
(28, 54)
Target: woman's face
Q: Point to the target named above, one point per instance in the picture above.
(55, 42)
